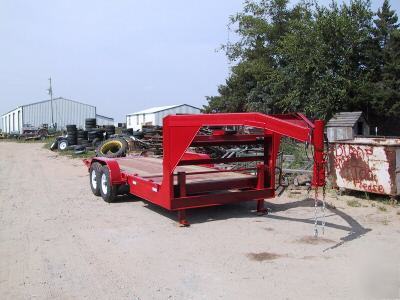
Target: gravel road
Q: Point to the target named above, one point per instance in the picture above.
(58, 241)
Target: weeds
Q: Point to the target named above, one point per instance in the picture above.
(382, 208)
(353, 203)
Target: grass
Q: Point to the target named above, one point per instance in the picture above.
(353, 203)
(69, 153)
(290, 147)
(382, 208)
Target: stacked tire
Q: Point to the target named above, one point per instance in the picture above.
(90, 124)
(82, 138)
(127, 131)
(110, 130)
(72, 135)
(95, 137)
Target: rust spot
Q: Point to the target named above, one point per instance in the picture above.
(314, 241)
(356, 169)
(391, 159)
(263, 256)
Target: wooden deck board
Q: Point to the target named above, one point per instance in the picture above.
(151, 168)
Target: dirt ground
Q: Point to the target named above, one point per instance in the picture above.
(58, 241)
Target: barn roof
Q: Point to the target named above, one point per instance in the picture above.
(345, 119)
(158, 109)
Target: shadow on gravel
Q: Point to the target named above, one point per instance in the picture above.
(126, 198)
(354, 229)
(247, 210)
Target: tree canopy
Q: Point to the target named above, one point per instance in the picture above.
(313, 59)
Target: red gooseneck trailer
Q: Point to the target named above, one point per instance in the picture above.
(183, 180)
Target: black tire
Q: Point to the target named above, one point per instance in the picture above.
(107, 191)
(94, 178)
(83, 134)
(138, 134)
(90, 121)
(63, 144)
(96, 142)
(72, 141)
(71, 127)
(113, 148)
(128, 131)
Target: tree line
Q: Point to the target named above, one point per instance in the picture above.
(314, 59)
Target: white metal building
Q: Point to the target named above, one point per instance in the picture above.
(65, 111)
(155, 115)
(102, 120)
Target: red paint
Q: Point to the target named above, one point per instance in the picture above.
(181, 131)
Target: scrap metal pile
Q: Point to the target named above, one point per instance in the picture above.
(149, 142)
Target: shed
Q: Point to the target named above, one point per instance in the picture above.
(346, 126)
(155, 115)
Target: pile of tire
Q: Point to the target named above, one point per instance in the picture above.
(110, 130)
(90, 124)
(72, 135)
(127, 131)
(83, 138)
(95, 137)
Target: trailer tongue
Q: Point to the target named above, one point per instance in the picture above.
(183, 180)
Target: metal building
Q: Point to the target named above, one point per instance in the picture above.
(60, 111)
(347, 125)
(103, 120)
(155, 115)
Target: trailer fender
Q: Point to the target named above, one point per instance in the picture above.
(113, 167)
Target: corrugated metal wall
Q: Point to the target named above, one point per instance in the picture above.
(102, 120)
(183, 109)
(65, 112)
(12, 121)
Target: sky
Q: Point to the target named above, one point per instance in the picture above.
(121, 56)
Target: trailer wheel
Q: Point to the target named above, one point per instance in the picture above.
(94, 178)
(107, 190)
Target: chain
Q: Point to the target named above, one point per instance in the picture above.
(316, 212)
(323, 208)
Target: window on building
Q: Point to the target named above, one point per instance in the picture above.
(137, 119)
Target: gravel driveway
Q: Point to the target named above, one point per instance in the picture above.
(58, 241)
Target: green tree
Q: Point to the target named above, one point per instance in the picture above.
(385, 69)
(251, 85)
(313, 59)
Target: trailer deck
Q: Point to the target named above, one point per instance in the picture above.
(151, 168)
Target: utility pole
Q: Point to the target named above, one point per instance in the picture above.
(50, 90)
